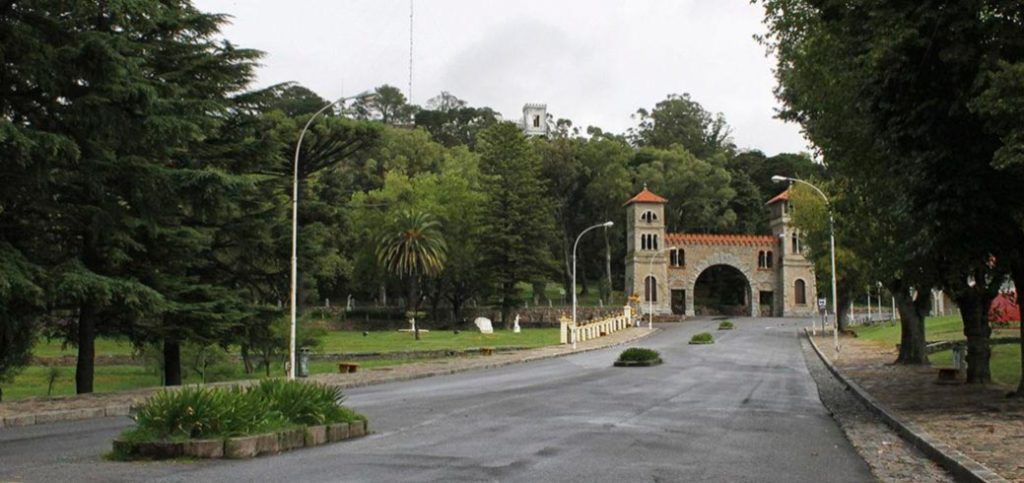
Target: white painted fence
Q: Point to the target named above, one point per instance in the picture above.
(592, 329)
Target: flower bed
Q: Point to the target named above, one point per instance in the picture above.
(218, 422)
(702, 338)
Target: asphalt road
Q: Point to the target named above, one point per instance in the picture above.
(742, 409)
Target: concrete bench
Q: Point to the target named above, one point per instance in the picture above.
(345, 367)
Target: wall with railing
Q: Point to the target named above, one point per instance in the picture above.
(591, 329)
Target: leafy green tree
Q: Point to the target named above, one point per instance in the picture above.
(411, 249)
(681, 120)
(699, 192)
(293, 100)
(517, 221)
(872, 78)
(388, 106)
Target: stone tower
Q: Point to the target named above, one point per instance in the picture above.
(535, 119)
(797, 291)
(645, 241)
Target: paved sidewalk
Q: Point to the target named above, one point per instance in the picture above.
(979, 421)
(46, 410)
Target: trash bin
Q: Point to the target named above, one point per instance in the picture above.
(303, 369)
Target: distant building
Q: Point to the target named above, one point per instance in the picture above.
(535, 120)
(757, 275)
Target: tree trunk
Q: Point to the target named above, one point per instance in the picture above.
(172, 363)
(384, 294)
(509, 290)
(912, 316)
(1017, 272)
(843, 306)
(246, 359)
(582, 277)
(85, 366)
(973, 304)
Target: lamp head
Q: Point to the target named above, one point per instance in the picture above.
(608, 224)
(779, 179)
(364, 96)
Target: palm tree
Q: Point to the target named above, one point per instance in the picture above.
(413, 248)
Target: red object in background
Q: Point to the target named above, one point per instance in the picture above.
(1004, 309)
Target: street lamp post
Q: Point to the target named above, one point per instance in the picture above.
(832, 248)
(577, 242)
(295, 224)
(654, 291)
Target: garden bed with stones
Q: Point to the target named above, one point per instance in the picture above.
(243, 447)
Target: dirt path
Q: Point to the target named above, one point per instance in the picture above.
(976, 420)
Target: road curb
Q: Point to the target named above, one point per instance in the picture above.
(45, 417)
(963, 467)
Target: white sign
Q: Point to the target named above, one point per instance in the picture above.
(822, 304)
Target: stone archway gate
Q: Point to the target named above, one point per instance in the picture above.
(695, 253)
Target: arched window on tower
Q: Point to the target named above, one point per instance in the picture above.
(650, 289)
(760, 260)
(800, 295)
(536, 121)
(654, 238)
(649, 216)
(796, 243)
(769, 256)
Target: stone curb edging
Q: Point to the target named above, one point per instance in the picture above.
(124, 410)
(963, 467)
(245, 447)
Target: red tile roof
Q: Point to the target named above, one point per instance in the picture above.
(779, 197)
(646, 196)
(712, 239)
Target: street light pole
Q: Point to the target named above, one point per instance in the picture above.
(832, 248)
(576, 243)
(295, 224)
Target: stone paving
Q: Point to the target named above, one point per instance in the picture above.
(976, 420)
(38, 410)
(889, 456)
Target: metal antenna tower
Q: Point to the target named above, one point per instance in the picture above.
(410, 51)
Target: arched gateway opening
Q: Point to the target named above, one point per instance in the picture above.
(721, 290)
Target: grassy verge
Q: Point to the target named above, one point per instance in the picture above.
(1005, 363)
(34, 381)
(435, 340)
(935, 328)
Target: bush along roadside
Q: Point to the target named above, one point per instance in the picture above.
(638, 357)
(726, 325)
(702, 338)
(220, 422)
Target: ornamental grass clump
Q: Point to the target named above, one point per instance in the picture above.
(638, 356)
(304, 403)
(222, 412)
(202, 413)
(702, 338)
(725, 325)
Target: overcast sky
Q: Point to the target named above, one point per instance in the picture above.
(592, 61)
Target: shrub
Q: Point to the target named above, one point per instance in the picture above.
(305, 403)
(220, 412)
(638, 354)
(203, 412)
(702, 338)
(725, 325)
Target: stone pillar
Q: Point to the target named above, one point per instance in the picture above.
(690, 310)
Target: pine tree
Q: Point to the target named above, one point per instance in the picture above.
(518, 223)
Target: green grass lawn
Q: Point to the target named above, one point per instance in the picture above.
(1005, 363)
(345, 341)
(34, 381)
(105, 346)
(935, 329)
